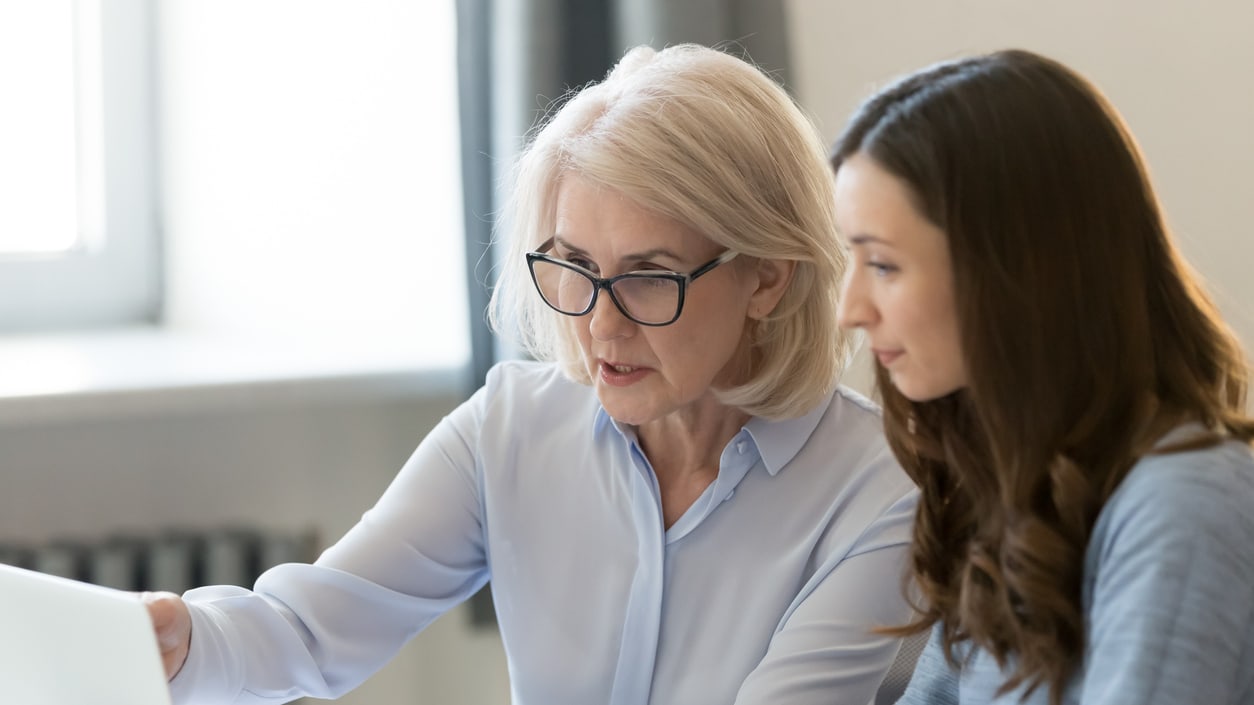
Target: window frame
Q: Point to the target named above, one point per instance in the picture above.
(113, 277)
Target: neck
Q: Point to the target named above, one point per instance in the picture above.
(684, 449)
(692, 437)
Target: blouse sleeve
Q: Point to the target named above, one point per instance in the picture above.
(320, 630)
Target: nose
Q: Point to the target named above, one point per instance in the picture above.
(855, 309)
(606, 322)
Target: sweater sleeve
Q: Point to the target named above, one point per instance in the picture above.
(1169, 567)
(934, 682)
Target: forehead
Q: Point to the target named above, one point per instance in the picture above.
(872, 203)
(592, 216)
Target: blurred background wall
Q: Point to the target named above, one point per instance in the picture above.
(1179, 74)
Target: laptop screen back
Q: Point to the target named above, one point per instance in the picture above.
(64, 642)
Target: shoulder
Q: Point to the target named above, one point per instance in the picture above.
(847, 395)
(839, 439)
(847, 452)
(528, 380)
(1188, 502)
(1200, 484)
(523, 391)
(857, 404)
(852, 422)
(512, 372)
(524, 400)
(852, 412)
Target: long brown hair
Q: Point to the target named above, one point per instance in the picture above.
(1084, 333)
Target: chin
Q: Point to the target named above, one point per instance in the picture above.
(914, 395)
(630, 414)
(629, 418)
(920, 392)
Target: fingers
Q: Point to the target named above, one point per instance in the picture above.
(172, 624)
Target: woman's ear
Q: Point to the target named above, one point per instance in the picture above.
(774, 276)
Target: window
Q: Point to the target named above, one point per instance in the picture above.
(300, 161)
(77, 228)
(311, 177)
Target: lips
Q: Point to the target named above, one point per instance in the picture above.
(620, 374)
(887, 357)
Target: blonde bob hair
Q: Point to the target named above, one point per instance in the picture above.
(708, 140)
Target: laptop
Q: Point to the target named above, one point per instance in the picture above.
(64, 642)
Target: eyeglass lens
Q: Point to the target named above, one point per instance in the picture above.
(645, 298)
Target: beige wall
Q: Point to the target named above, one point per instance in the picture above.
(1181, 73)
(288, 457)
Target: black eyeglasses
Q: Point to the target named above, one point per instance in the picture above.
(647, 298)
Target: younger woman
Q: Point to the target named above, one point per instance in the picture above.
(1060, 388)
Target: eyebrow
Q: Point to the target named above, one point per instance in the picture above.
(869, 240)
(635, 257)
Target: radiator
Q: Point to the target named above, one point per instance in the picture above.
(173, 560)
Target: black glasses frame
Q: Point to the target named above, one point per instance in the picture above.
(607, 283)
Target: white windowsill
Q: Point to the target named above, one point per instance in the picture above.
(150, 371)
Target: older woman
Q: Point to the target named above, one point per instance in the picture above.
(678, 505)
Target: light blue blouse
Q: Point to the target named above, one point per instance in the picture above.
(1168, 595)
(763, 592)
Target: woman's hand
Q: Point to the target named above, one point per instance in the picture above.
(173, 625)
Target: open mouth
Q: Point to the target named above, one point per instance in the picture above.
(618, 374)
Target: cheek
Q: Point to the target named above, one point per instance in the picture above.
(920, 316)
(699, 348)
(711, 316)
(908, 309)
(943, 336)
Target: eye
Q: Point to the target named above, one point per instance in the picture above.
(882, 269)
(581, 262)
(655, 282)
